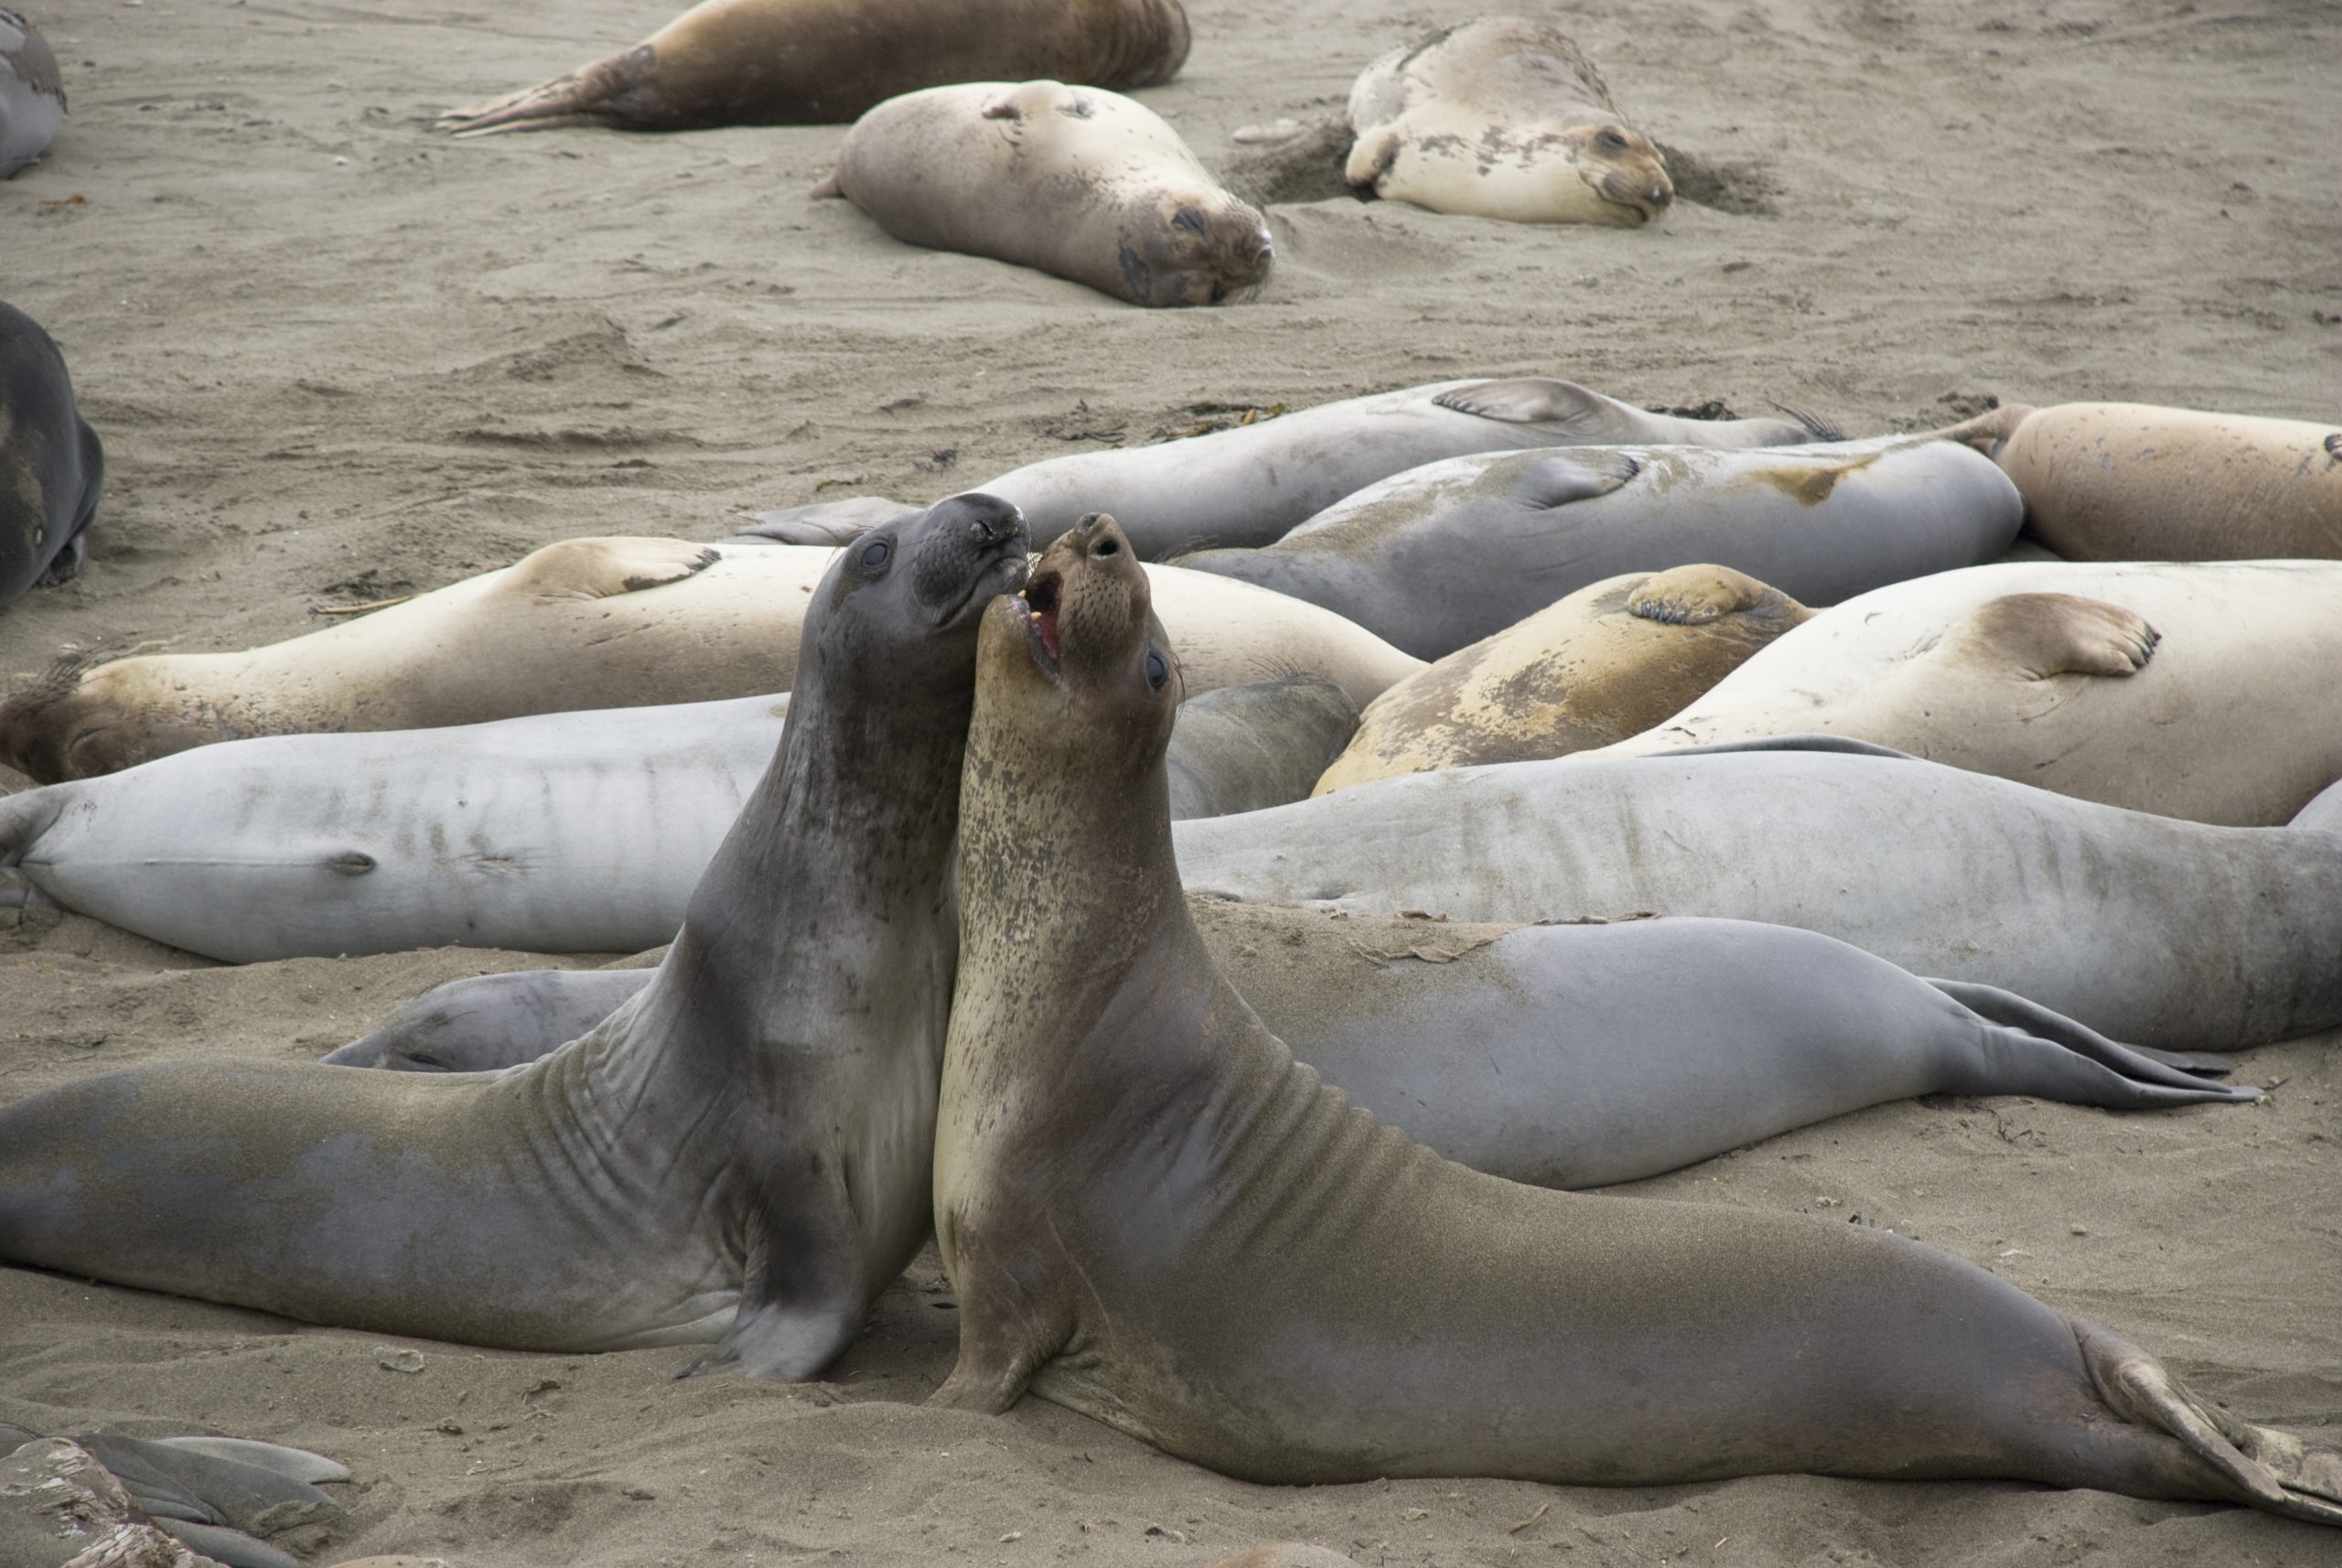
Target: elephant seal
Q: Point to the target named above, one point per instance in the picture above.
(1155, 1216)
(1244, 749)
(739, 1154)
(32, 94)
(1593, 669)
(1443, 556)
(2205, 690)
(1076, 181)
(587, 623)
(221, 1496)
(2166, 933)
(52, 466)
(2129, 481)
(811, 62)
(1503, 117)
(1248, 485)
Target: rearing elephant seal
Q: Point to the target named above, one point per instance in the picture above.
(1156, 1217)
(1076, 182)
(51, 465)
(1503, 117)
(810, 62)
(738, 1154)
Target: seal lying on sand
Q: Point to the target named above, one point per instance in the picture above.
(32, 95)
(1447, 553)
(1503, 117)
(558, 833)
(1592, 670)
(51, 465)
(587, 623)
(2128, 482)
(217, 1495)
(1076, 182)
(2205, 690)
(739, 1154)
(1153, 1216)
(1248, 485)
(800, 62)
(2161, 932)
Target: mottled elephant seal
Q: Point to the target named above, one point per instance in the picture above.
(800, 62)
(32, 95)
(2205, 690)
(1445, 554)
(52, 467)
(586, 623)
(740, 1155)
(2168, 933)
(1152, 1214)
(1248, 485)
(1593, 669)
(1503, 117)
(2129, 481)
(1072, 180)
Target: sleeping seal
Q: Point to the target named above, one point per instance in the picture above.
(32, 95)
(1447, 553)
(1153, 1216)
(739, 1154)
(586, 623)
(51, 465)
(1076, 182)
(1250, 485)
(1503, 117)
(1596, 667)
(2205, 690)
(2128, 482)
(802, 62)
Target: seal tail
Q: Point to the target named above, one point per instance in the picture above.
(2086, 1067)
(23, 819)
(590, 95)
(1815, 425)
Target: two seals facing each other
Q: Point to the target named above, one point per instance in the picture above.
(52, 466)
(32, 94)
(795, 62)
(1076, 182)
(1503, 117)
(1153, 1216)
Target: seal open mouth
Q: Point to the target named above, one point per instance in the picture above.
(1041, 619)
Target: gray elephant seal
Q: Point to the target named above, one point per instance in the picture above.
(217, 1495)
(52, 467)
(32, 95)
(1248, 485)
(1076, 182)
(1503, 117)
(2205, 690)
(1593, 669)
(1443, 556)
(801, 62)
(1156, 1217)
(740, 1155)
(2129, 481)
(1245, 749)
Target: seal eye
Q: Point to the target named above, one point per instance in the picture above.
(1158, 669)
(1189, 218)
(1611, 142)
(875, 554)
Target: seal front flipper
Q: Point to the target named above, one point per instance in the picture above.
(1695, 596)
(603, 568)
(2042, 635)
(1565, 477)
(804, 1297)
(1541, 400)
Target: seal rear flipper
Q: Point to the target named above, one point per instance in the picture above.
(1989, 431)
(255, 1499)
(65, 564)
(296, 1464)
(2057, 1058)
(232, 1547)
(2044, 635)
(23, 818)
(590, 95)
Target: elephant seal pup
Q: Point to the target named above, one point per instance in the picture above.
(1072, 180)
(811, 62)
(1443, 556)
(739, 1154)
(32, 94)
(1250, 485)
(1503, 117)
(51, 464)
(593, 623)
(1591, 670)
(1153, 1216)
(2166, 933)
(2129, 481)
(2205, 690)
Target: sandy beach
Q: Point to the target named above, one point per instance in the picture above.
(337, 356)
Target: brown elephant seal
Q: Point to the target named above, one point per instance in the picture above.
(1152, 1214)
(1608, 661)
(811, 62)
(1503, 117)
(1071, 180)
(740, 1155)
(2129, 481)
